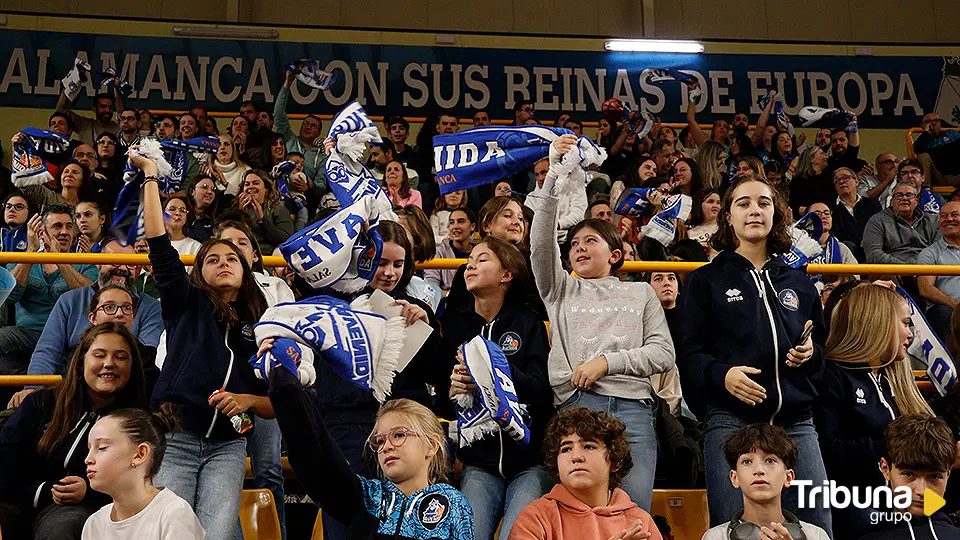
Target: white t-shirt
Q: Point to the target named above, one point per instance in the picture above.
(187, 246)
(167, 517)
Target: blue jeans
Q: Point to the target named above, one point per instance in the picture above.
(637, 415)
(724, 499)
(491, 497)
(264, 449)
(209, 476)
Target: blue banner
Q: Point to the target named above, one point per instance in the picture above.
(176, 73)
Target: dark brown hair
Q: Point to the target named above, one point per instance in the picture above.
(511, 260)
(778, 240)
(248, 296)
(696, 216)
(112, 286)
(607, 231)
(211, 210)
(143, 427)
(424, 243)
(241, 225)
(391, 231)
(920, 443)
(404, 190)
(491, 209)
(270, 199)
(72, 399)
(84, 176)
(763, 437)
(590, 425)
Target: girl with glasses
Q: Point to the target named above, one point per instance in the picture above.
(16, 212)
(174, 219)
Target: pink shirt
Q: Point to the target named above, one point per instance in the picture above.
(414, 198)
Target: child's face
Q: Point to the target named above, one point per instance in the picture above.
(761, 476)
(402, 453)
(110, 456)
(917, 480)
(583, 464)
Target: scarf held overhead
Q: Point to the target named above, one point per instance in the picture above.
(310, 73)
(348, 178)
(479, 156)
(127, 224)
(927, 349)
(494, 405)
(28, 167)
(662, 227)
(75, 79)
(805, 234)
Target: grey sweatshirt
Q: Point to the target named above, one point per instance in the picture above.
(597, 317)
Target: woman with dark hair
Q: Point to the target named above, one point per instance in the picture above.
(740, 147)
(205, 376)
(752, 338)
(397, 185)
(812, 181)
(44, 493)
(175, 218)
(91, 220)
(17, 211)
(685, 177)
(501, 477)
(108, 176)
(71, 181)
(637, 176)
(703, 218)
(418, 229)
(270, 220)
(784, 150)
(203, 201)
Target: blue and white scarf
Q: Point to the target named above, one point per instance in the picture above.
(360, 345)
(929, 202)
(805, 234)
(640, 122)
(342, 251)
(661, 75)
(179, 160)
(75, 79)
(927, 349)
(310, 73)
(348, 178)
(127, 224)
(281, 173)
(479, 156)
(830, 254)
(826, 118)
(28, 166)
(109, 79)
(494, 406)
(779, 111)
(663, 226)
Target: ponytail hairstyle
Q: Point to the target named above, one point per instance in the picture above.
(425, 423)
(143, 427)
(511, 260)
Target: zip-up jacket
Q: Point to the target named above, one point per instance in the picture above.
(521, 335)
(370, 509)
(203, 355)
(13, 238)
(736, 315)
(855, 406)
(26, 475)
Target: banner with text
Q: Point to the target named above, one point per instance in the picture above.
(176, 73)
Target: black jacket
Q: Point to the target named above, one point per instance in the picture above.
(26, 476)
(520, 333)
(203, 355)
(854, 408)
(735, 315)
(459, 297)
(919, 528)
(849, 227)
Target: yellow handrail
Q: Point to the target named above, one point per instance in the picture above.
(909, 136)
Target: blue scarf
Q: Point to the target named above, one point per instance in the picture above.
(109, 79)
(804, 247)
(28, 165)
(179, 160)
(14, 239)
(361, 346)
(348, 178)
(479, 156)
(342, 251)
(310, 73)
(929, 202)
(661, 75)
(127, 224)
(281, 174)
(494, 406)
(663, 226)
(75, 78)
(830, 255)
(927, 349)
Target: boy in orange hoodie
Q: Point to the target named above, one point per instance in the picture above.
(588, 453)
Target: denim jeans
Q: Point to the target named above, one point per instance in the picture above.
(209, 476)
(724, 499)
(263, 446)
(492, 497)
(637, 415)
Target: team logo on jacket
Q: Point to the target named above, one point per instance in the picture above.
(434, 508)
(510, 343)
(734, 295)
(21, 245)
(860, 398)
(247, 332)
(789, 299)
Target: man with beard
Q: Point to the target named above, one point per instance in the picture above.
(70, 318)
(129, 129)
(87, 129)
(39, 286)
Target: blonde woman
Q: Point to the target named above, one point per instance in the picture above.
(227, 168)
(867, 383)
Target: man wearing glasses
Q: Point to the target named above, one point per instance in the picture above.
(129, 129)
(942, 292)
(851, 211)
(899, 232)
(522, 111)
(73, 314)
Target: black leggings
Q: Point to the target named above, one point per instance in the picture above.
(55, 522)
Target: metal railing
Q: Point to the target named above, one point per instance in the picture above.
(909, 138)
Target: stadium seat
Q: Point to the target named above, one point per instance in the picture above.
(258, 515)
(685, 509)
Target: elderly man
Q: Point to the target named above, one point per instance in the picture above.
(899, 232)
(942, 292)
(851, 211)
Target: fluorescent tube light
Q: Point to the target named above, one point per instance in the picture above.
(654, 45)
(238, 33)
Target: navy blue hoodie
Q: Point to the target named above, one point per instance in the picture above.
(736, 315)
(854, 408)
(203, 355)
(13, 238)
(520, 333)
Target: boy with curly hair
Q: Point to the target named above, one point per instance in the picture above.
(588, 454)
